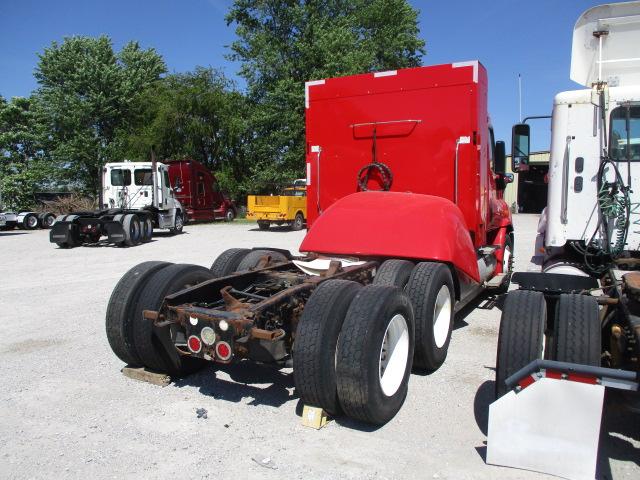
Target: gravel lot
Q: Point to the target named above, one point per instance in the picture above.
(66, 411)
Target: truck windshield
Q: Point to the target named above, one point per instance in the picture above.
(624, 141)
(142, 176)
(120, 177)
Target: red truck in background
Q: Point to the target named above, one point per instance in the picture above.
(198, 191)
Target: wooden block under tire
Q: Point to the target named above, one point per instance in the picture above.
(314, 417)
(144, 375)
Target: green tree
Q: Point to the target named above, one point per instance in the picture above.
(198, 115)
(88, 94)
(24, 164)
(283, 43)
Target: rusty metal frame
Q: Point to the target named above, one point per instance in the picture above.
(243, 316)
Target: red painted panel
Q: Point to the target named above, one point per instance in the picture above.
(397, 225)
(415, 116)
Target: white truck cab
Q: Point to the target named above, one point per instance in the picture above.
(573, 330)
(594, 165)
(135, 198)
(132, 186)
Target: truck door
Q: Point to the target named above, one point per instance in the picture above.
(167, 193)
(218, 199)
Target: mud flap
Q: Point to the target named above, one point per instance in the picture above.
(62, 232)
(115, 232)
(551, 426)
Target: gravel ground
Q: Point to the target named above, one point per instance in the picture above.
(66, 411)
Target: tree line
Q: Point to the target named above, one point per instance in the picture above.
(95, 105)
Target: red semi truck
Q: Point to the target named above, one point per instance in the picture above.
(198, 191)
(406, 225)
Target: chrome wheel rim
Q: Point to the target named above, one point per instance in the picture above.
(394, 355)
(441, 316)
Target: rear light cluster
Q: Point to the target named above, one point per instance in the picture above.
(208, 337)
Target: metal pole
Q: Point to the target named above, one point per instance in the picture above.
(520, 96)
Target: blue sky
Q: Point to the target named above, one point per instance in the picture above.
(532, 38)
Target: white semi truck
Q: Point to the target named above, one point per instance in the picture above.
(135, 198)
(573, 328)
(25, 219)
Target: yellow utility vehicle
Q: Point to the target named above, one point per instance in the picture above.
(290, 207)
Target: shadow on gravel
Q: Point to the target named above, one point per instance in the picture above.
(283, 229)
(356, 425)
(265, 385)
(620, 428)
(484, 396)
(8, 234)
(106, 244)
(166, 233)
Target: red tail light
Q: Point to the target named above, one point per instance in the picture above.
(194, 343)
(223, 350)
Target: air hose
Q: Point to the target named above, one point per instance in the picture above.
(364, 174)
(614, 205)
(383, 170)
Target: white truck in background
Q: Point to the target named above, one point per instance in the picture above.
(135, 198)
(573, 329)
(27, 220)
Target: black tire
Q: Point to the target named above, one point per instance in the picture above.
(433, 327)
(262, 225)
(178, 224)
(148, 347)
(146, 229)
(228, 262)
(132, 229)
(577, 330)
(360, 350)
(504, 287)
(121, 310)
(314, 350)
(394, 272)
(521, 335)
(252, 259)
(229, 215)
(298, 222)
(48, 219)
(30, 221)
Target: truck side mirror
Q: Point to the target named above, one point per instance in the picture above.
(520, 147)
(500, 161)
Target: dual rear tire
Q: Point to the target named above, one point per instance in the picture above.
(526, 334)
(355, 346)
(134, 339)
(429, 286)
(353, 350)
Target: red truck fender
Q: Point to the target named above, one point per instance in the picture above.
(395, 225)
